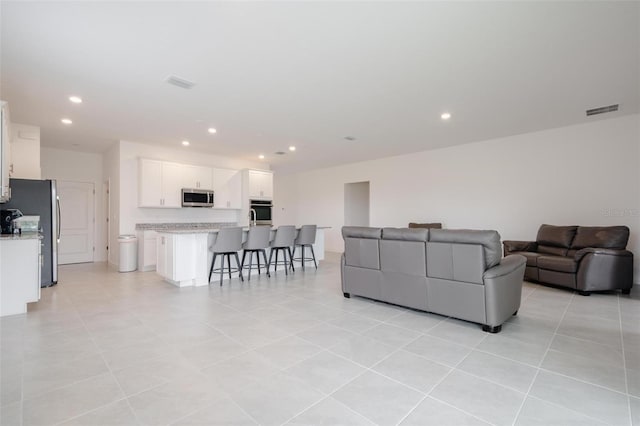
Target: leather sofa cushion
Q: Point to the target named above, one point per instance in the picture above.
(555, 251)
(456, 262)
(556, 236)
(612, 237)
(407, 257)
(532, 258)
(434, 225)
(405, 234)
(557, 263)
(362, 252)
(490, 241)
(361, 232)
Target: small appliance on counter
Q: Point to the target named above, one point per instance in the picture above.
(27, 224)
(8, 218)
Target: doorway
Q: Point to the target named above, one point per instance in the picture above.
(356, 204)
(77, 222)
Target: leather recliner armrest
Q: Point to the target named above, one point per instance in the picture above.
(511, 246)
(601, 251)
(506, 266)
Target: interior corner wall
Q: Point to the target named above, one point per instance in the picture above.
(586, 174)
(75, 166)
(111, 172)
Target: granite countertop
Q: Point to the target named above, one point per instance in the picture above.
(204, 226)
(203, 230)
(23, 236)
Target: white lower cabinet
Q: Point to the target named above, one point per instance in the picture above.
(180, 260)
(147, 256)
(20, 262)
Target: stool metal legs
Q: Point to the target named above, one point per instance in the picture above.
(304, 259)
(257, 251)
(222, 268)
(287, 264)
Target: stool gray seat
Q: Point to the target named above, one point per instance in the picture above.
(283, 241)
(306, 238)
(227, 243)
(257, 242)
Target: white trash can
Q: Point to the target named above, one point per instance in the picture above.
(128, 253)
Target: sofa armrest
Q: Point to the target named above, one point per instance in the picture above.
(503, 289)
(506, 266)
(580, 254)
(604, 269)
(511, 246)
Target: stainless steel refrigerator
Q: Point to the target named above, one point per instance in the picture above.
(40, 197)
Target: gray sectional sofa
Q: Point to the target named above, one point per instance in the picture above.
(457, 273)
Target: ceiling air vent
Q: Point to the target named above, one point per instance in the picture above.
(180, 82)
(602, 110)
(279, 153)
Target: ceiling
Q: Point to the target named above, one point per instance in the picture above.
(273, 74)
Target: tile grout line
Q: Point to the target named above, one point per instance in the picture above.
(515, 419)
(624, 362)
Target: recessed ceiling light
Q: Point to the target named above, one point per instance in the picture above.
(292, 148)
(261, 156)
(211, 130)
(185, 143)
(445, 116)
(75, 99)
(66, 121)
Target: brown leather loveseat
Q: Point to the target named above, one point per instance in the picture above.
(583, 258)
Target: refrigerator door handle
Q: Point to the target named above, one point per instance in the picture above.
(58, 218)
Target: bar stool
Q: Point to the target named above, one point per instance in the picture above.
(306, 237)
(257, 242)
(285, 235)
(228, 242)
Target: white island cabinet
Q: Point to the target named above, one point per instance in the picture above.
(19, 273)
(184, 258)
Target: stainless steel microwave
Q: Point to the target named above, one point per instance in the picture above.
(197, 197)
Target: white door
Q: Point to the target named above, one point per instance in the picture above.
(77, 219)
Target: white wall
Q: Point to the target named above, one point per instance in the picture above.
(80, 167)
(585, 174)
(25, 152)
(130, 213)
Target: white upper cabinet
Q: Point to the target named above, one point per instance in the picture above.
(227, 187)
(150, 183)
(260, 184)
(161, 184)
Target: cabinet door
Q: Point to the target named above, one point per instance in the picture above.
(260, 184)
(161, 252)
(203, 177)
(227, 188)
(174, 178)
(150, 183)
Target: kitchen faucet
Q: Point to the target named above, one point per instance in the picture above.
(252, 212)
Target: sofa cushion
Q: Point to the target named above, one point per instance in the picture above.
(613, 237)
(434, 225)
(555, 251)
(532, 258)
(558, 263)
(405, 234)
(556, 236)
(490, 241)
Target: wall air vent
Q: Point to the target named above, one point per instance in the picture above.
(602, 110)
(180, 82)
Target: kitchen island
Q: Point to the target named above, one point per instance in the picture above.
(184, 258)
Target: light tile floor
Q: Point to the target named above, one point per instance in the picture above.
(104, 348)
